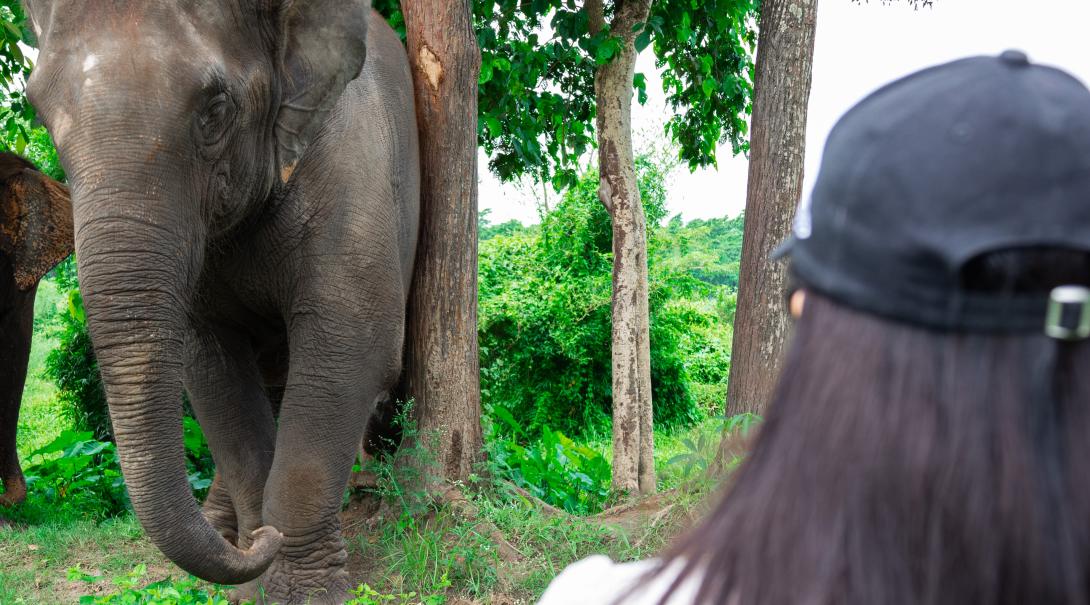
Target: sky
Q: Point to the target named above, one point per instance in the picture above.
(858, 48)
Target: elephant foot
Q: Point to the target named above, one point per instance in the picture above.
(302, 575)
(14, 490)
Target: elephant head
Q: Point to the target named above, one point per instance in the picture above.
(35, 235)
(177, 122)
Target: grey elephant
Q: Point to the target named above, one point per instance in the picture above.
(245, 188)
(35, 235)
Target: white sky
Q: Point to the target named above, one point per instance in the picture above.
(859, 47)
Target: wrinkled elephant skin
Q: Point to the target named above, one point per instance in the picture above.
(252, 226)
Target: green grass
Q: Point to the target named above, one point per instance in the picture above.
(36, 559)
(427, 554)
(40, 419)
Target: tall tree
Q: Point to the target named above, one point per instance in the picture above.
(545, 102)
(442, 358)
(777, 147)
(633, 437)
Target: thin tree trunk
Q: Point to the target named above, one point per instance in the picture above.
(785, 51)
(633, 437)
(442, 358)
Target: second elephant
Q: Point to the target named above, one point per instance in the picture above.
(35, 235)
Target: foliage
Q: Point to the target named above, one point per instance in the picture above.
(706, 49)
(16, 113)
(191, 591)
(708, 249)
(537, 102)
(43, 154)
(556, 470)
(200, 469)
(187, 591)
(402, 470)
(702, 448)
(538, 61)
(72, 365)
(486, 230)
(425, 547)
(85, 476)
(544, 316)
(365, 595)
(79, 473)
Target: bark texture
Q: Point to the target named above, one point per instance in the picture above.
(442, 358)
(785, 51)
(633, 441)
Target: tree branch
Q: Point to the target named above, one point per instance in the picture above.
(627, 16)
(596, 13)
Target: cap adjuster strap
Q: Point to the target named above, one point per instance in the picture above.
(1068, 315)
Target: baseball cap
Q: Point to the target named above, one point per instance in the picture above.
(959, 160)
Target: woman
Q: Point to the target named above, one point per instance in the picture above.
(929, 441)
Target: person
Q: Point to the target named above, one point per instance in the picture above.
(929, 438)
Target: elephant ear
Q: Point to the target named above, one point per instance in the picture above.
(35, 220)
(324, 49)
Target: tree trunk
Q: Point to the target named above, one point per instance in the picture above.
(785, 51)
(442, 359)
(633, 437)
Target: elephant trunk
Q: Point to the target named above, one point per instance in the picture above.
(137, 263)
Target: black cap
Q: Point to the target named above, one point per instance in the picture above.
(952, 162)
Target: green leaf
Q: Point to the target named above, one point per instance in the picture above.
(486, 73)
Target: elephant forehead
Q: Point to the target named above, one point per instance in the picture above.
(137, 39)
(147, 69)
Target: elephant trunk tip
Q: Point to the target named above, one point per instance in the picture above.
(255, 559)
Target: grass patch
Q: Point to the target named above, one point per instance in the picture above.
(40, 419)
(37, 558)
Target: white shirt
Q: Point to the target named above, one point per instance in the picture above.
(600, 581)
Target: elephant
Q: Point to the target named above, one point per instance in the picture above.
(35, 235)
(253, 224)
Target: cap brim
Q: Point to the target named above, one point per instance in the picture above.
(784, 249)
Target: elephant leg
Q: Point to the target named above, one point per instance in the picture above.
(16, 330)
(331, 393)
(226, 393)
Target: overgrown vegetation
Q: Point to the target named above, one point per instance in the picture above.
(72, 365)
(545, 313)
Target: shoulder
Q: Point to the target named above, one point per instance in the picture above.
(599, 581)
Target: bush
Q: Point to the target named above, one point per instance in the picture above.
(545, 318)
(85, 476)
(557, 470)
(72, 365)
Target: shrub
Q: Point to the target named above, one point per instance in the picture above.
(72, 365)
(557, 470)
(545, 317)
(702, 448)
(78, 472)
(85, 476)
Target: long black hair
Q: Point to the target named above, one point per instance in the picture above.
(899, 465)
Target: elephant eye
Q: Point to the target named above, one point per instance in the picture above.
(216, 118)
